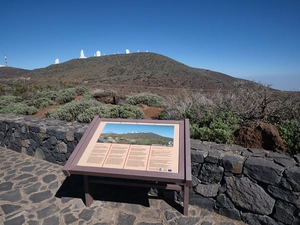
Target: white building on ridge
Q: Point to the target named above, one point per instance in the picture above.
(82, 55)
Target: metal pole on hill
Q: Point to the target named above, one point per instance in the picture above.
(5, 59)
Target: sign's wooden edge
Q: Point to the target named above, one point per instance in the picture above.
(182, 176)
(187, 155)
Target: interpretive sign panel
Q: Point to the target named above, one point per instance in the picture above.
(155, 151)
(135, 146)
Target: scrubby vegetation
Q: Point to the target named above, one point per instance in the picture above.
(16, 105)
(290, 132)
(85, 110)
(217, 127)
(126, 112)
(41, 103)
(5, 100)
(213, 116)
(19, 108)
(66, 95)
(52, 95)
(146, 99)
(72, 110)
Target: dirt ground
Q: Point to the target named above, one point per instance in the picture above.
(41, 113)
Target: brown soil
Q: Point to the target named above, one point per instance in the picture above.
(41, 113)
(260, 135)
(151, 112)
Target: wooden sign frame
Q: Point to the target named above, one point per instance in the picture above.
(168, 176)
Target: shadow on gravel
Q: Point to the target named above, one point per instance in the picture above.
(73, 187)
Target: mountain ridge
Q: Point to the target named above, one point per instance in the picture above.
(121, 71)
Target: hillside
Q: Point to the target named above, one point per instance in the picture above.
(136, 72)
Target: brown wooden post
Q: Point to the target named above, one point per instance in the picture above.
(185, 200)
(88, 198)
(188, 169)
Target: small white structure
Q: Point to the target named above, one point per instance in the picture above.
(98, 53)
(82, 55)
(127, 51)
(56, 61)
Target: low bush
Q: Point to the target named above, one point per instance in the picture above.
(52, 95)
(19, 89)
(217, 127)
(80, 90)
(19, 108)
(2, 90)
(290, 131)
(8, 99)
(72, 110)
(66, 95)
(126, 112)
(41, 103)
(88, 115)
(187, 105)
(87, 95)
(163, 115)
(111, 91)
(146, 99)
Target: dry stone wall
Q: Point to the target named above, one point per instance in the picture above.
(252, 185)
(52, 140)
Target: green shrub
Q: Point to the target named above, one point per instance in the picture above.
(146, 99)
(290, 131)
(88, 115)
(111, 91)
(192, 115)
(87, 95)
(19, 89)
(8, 99)
(2, 90)
(41, 103)
(36, 88)
(66, 95)
(163, 115)
(19, 108)
(59, 113)
(80, 90)
(72, 110)
(217, 127)
(126, 112)
(52, 95)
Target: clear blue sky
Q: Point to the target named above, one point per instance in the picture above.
(253, 39)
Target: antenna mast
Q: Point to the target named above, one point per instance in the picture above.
(5, 59)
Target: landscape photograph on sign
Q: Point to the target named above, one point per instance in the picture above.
(137, 134)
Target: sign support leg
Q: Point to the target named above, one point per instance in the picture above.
(185, 200)
(88, 198)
